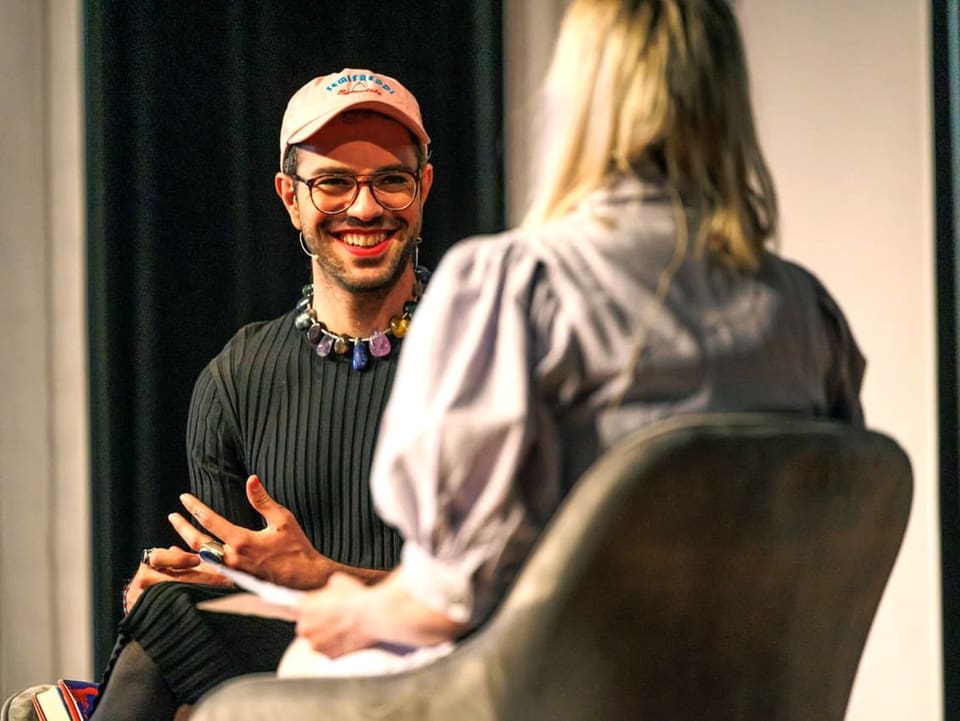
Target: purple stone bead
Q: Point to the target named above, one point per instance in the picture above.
(379, 345)
(324, 346)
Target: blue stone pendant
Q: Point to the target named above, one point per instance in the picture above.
(360, 355)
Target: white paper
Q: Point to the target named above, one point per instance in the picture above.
(248, 604)
(271, 592)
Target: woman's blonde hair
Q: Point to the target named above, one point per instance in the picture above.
(663, 82)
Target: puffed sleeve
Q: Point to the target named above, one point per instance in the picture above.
(462, 422)
(845, 376)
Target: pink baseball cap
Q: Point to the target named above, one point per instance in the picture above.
(324, 98)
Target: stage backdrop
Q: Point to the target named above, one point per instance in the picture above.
(187, 240)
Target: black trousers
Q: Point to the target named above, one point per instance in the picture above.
(196, 650)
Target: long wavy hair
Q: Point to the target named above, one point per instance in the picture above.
(662, 82)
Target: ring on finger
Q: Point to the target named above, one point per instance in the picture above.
(145, 556)
(212, 551)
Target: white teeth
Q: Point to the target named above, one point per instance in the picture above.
(364, 240)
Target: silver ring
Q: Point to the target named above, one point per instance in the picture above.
(145, 556)
(213, 551)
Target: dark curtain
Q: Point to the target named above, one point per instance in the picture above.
(187, 239)
(945, 34)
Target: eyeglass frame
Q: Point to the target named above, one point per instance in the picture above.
(364, 179)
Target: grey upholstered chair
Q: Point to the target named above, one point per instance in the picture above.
(719, 567)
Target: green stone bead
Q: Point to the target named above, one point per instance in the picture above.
(306, 319)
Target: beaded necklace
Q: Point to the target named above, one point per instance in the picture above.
(377, 344)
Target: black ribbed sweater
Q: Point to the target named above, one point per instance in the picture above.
(267, 404)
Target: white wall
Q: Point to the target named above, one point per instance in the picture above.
(44, 479)
(841, 89)
(529, 29)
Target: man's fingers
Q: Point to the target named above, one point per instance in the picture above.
(198, 574)
(261, 501)
(188, 532)
(208, 578)
(208, 518)
(173, 558)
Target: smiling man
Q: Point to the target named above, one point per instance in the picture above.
(354, 179)
(283, 421)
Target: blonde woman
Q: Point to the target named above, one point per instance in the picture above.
(640, 286)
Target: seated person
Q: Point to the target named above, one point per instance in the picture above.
(639, 287)
(291, 406)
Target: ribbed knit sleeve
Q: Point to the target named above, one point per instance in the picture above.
(217, 472)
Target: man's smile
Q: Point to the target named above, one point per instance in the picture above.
(363, 239)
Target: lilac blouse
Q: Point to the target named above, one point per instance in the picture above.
(508, 383)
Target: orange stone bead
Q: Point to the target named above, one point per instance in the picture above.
(399, 325)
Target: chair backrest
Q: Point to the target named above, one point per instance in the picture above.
(719, 567)
(713, 567)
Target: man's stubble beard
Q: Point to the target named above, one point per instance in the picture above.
(337, 273)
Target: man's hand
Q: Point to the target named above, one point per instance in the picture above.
(171, 564)
(280, 552)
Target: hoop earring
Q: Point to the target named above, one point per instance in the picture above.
(303, 247)
(421, 274)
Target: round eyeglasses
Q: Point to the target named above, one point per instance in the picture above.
(334, 193)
